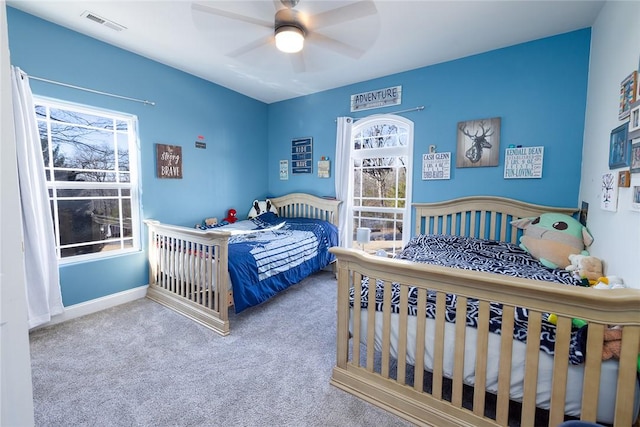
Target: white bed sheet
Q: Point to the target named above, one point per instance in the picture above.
(245, 227)
(609, 369)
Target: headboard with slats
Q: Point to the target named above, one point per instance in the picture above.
(296, 205)
(487, 217)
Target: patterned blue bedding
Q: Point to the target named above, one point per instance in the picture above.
(479, 255)
(265, 262)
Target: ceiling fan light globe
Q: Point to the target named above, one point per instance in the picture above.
(289, 39)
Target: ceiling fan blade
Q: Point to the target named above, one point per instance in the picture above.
(343, 14)
(253, 45)
(231, 15)
(297, 62)
(335, 45)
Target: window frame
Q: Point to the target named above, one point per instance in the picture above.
(391, 151)
(133, 186)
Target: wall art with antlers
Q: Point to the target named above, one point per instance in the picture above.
(478, 143)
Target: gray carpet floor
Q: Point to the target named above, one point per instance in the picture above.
(141, 364)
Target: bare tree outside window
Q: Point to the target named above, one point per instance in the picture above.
(93, 191)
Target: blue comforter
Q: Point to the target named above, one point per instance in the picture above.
(265, 262)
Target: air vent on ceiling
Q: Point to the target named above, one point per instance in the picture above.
(102, 21)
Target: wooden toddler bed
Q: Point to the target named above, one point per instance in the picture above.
(434, 349)
(196, 272)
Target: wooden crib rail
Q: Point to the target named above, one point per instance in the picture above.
(296, 205)
(486, 217)
(357, 373)
(188, 272)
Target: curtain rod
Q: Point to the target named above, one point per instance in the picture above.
(92, 90)
(408, 110)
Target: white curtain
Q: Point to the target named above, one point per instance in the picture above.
(44, 298)
(343, 173)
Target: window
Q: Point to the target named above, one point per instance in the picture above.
(381, 161)
(91, 166)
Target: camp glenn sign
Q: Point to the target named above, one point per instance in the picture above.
(376, 98)
(169, 161)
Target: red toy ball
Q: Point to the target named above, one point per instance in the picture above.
(231, 216)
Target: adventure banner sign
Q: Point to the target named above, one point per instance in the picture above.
(376, 98)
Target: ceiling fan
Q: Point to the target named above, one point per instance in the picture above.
(292, 28)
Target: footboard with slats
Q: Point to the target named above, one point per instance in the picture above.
(374, 348)
(368, 376)
(188, 273)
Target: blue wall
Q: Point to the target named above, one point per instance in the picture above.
(538, 89)
(231, 172)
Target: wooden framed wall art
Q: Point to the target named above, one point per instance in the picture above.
(478, 143)
(624, 179)
(169, 161)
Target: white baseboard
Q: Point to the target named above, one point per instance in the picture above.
(98, 304)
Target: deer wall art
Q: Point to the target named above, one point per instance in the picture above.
(478, 143)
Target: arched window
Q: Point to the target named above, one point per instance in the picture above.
(380, 184)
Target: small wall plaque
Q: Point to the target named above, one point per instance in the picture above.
(523, 162)
(436, 165)
(301, 155)
(169, 161)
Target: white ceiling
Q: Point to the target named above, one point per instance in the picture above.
(399, 36)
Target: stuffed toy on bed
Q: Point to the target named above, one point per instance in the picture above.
(261, 206)
(552, 237)
(585, 267)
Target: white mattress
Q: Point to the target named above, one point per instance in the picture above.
(609, 370)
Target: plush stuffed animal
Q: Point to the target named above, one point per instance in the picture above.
(207, 223)
(260, 207)
(585, 266)
(552, 237)
(231, 216)
(609, 282)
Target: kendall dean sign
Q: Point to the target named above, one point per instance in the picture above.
(376, 98)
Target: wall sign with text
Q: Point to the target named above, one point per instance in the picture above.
(523, 162)
(436, 166)
(169, 161)
(302, 155)
(376, 98)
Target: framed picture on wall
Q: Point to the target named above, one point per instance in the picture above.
(634, 119)
(635, 202)
(478, 143)
(627, 94)
(619, 148)
(302, 155)
(635, 157)
(609, 192)
(624, 179)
